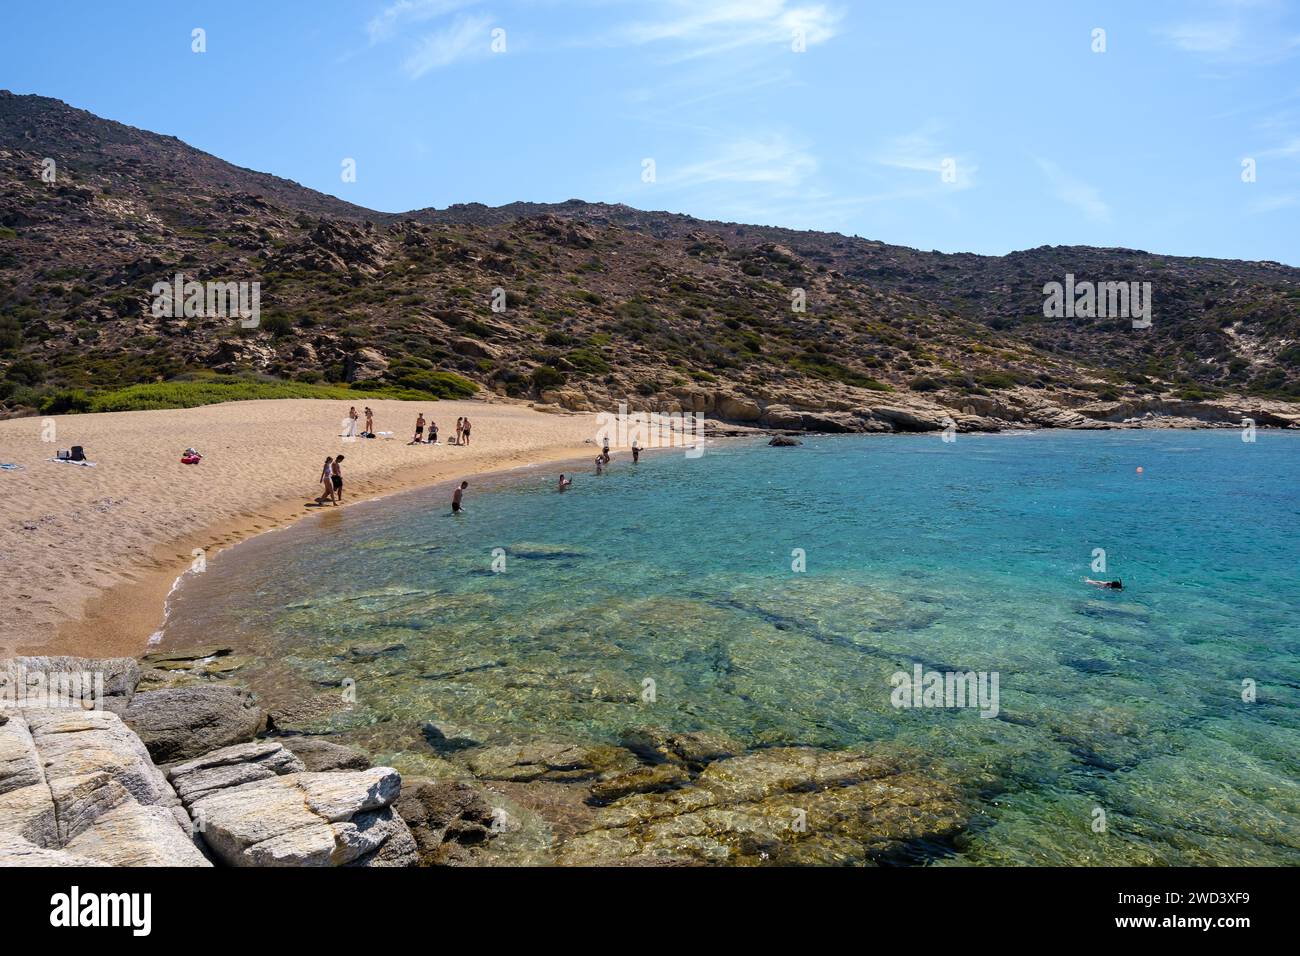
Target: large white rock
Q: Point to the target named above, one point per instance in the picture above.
(81, 781)
(304, 819)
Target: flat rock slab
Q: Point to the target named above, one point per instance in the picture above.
(331, 818)
(231, 767)
(182, 723)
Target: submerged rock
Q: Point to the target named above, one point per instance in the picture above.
(789, 805)
(693, 748)
(781, 441)
(664, 776)
(448, 819)
(549, 760)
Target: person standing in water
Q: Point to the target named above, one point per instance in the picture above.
(600, 464)
(636, 451)
(326, 483)
(456, 507)
(564, 483)
(336, 479)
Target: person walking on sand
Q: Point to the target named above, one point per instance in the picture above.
(456, 496)
(336, 479)
(325, 482)
(460, 427)
(419, 430)
(351, 429)
(465, 431)
(370, 423)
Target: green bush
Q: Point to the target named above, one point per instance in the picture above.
(545, 377)
(66, 402)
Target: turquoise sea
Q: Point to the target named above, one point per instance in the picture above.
(539, 614)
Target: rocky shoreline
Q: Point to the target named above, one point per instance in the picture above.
(181, 767)
(727, 414)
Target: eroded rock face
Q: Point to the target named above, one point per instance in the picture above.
(186, 722)
(788, 805)
(81, 781)
(307, 819)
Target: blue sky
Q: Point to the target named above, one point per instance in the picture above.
(1050, 142)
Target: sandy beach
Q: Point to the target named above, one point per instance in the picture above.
(88, 555)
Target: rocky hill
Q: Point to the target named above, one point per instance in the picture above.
(582, 305)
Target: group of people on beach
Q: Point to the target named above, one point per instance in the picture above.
(462, 431)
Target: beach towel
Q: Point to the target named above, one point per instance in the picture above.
(9, 466)
(69, 461)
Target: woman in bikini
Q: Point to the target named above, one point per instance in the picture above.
(325, 481)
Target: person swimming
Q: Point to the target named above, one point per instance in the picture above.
(564, 483)
(1116, 585)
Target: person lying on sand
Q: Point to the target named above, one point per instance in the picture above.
(1116, 585)
(564, 483)
(456, 496)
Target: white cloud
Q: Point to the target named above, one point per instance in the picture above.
(921, 151)
(696, 29)
(385, 24)
(466, 38)
(1238, 31)
(769, 160)
(1075, 192)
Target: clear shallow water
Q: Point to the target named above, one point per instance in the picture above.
(963, 556)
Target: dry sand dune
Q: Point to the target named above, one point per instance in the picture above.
(87, 555)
